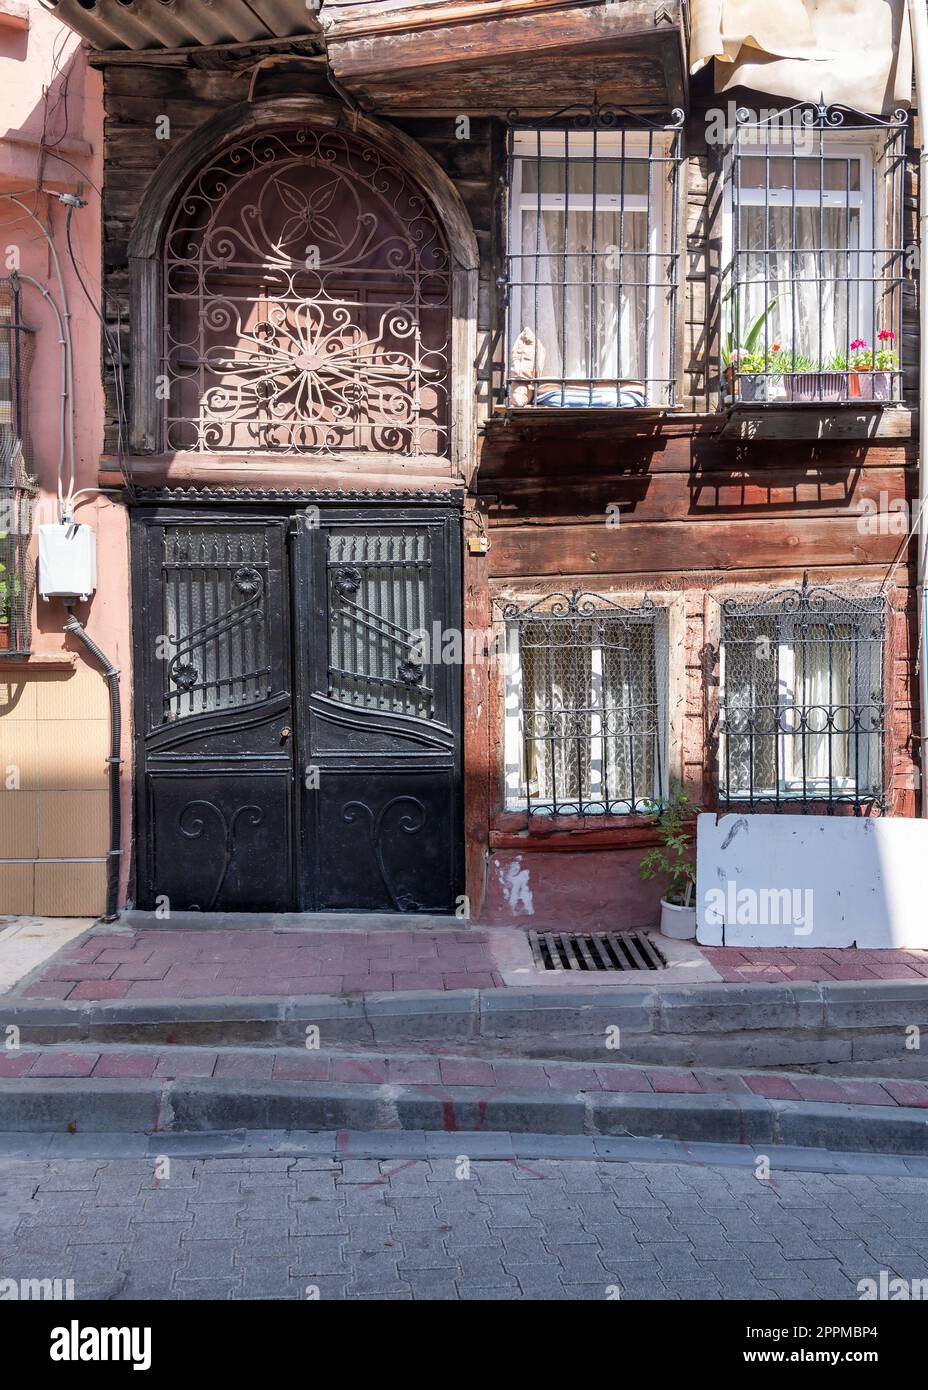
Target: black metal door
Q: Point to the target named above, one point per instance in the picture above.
(213, 712)
(379, 712)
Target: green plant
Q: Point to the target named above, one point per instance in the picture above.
(6, 593)
(734, 344)
(673, 858)
(887, 358)
(796, 362)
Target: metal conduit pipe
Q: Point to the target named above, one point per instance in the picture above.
(111, 672)
(918, 19)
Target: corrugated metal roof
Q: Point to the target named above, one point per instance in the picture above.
(140, 24)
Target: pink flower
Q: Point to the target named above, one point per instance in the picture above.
(858, 343)
(886, 335)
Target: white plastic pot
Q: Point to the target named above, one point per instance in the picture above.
(678, 922)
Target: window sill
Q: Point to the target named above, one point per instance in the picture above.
(832, 420)
(513, 830)
(38, 661)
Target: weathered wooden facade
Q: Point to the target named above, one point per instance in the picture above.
(599, 526)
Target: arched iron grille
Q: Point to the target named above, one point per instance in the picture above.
(307, 303)
(801, 707)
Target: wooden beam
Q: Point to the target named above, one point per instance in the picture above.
(679, 546)
(498, 35)
(840, 422)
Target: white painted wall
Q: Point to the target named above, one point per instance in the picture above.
(816, 881)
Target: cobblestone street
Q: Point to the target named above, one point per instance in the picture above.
(454, 1228)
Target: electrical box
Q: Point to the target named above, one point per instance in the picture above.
(67, 561)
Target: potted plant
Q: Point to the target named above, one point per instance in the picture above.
(4, 609)
(738, 351)
(749, 375)
(808, 383)
(872, 373)
(674, 859)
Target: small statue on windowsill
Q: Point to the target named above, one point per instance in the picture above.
(526, 364)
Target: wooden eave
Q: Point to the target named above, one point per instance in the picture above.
(473, 57)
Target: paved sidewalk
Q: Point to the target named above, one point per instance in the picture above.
(165, 963)
(454, 1228)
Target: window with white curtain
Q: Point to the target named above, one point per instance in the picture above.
(585, 706)
(801, 704)
(591, 267)
(804, 237)
(811, 292)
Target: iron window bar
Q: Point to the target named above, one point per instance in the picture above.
(17, 487)
(834, 176)
(604, 309)
(585, 705)
(801, 705)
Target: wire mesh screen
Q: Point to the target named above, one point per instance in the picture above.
(801, 709)
(586, 708)
(813, 292)
(592, 270)
(17, 488)
(215, 609)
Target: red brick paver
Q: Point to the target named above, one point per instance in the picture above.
(439, 1074)
(154, 963)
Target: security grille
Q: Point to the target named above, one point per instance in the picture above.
(378, 611)
(17, 488)
(801, 708)
(585, 705)
(593, 263)
(215, 606)
(595, 951)
(813, 290)
(307, 303)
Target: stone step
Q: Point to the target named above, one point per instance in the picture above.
(87, 1090)
(847, 1023)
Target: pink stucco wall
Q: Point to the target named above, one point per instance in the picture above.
(51, 141)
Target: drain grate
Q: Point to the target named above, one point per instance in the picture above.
(561, 950)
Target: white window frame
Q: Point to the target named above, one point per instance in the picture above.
(789, 759)
(558, 144)
(517, 796)
(843, 144)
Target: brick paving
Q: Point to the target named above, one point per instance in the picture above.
(346, 1228)
(166, 964)
(162, 963)
(441, 1071)
(748, 965)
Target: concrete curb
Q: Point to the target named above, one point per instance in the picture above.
(79, 1106)
(699, 1025)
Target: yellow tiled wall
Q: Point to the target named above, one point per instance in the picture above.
(54, 741)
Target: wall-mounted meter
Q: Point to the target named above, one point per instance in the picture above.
(67, 561)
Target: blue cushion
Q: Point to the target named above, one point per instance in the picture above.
(590, 396)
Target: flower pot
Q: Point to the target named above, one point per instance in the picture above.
(678, 922)
(872, 386)
(4, 637)
(751, 386)
(816, 386)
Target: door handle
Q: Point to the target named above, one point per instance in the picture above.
(285, 733)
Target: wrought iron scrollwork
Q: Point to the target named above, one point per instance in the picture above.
(801, 707)
(586, 723)
(215, 584)
(379, 613)
(409, 824)
(196, 827)
(326, 281)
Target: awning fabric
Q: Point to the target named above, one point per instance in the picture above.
(854, 52)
